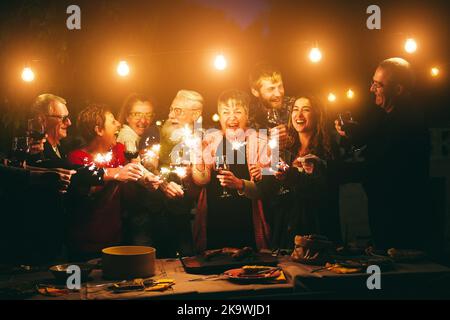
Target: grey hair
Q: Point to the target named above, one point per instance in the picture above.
(400, 71)
(43, 103)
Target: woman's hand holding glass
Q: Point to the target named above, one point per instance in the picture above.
(255, 172)
(229, 180)
(306, 163)
(282, 168)
(130, 172)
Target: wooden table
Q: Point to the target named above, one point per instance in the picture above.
(426, 279)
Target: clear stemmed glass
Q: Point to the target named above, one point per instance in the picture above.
(221, 164)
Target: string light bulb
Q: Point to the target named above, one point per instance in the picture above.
(350, 94)
(331, 97)
(123, 69)
(27, 74)
(434, 71)
(315, 55)
(410, 45)
(220, 62)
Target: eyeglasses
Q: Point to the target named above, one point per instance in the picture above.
(376, 84)
(140, 115)
(179, 111)
(62, 118)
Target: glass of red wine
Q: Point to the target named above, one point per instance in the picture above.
(20, 149)
(349, 126)
(36, 132)
(131, 150)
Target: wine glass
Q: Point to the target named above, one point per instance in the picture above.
(131, 150)
(273, 117)
(282, 167)
(36, 132)
(349, 125)
(221, 164)
(20, 149)
(36, 129)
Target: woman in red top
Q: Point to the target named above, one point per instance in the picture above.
(95, 220)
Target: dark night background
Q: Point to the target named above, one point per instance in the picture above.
(170, 45)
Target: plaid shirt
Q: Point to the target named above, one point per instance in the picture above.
(258, 117)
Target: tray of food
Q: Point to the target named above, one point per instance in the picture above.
(250, 274)
(219, 260)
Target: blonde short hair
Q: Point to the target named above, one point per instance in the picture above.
(263, 72)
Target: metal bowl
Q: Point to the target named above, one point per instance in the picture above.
(60, 271)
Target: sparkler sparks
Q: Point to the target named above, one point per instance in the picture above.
(180, 171)
(273, 143)
(102, 159)
(156, 148)
(165, 171)
(236, 144)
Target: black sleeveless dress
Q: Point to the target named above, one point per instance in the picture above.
(229, 220)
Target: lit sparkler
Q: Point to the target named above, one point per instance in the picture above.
(236, 144)
(103, 159)
(273, 143)
(180, 172)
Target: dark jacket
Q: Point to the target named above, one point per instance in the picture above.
(395, 174)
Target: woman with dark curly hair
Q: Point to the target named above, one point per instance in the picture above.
(95, 215)
(312, 204)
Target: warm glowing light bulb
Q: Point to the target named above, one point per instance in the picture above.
(27, 75)
(315, 55)
(123, 69)
(410, 45)
(215, 117)
(434, 71)
(350, 94)
(331, 97)
(220, 63)
(158, 123)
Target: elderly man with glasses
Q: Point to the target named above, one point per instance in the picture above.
(53, 113)
(185, 110)
(34, 234)
(395, 170)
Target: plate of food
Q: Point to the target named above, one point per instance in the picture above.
(60, 271)
(253, 273)
(219, 260)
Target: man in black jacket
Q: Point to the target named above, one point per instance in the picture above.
(35, 215)
(395, 170)
(53, 113)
